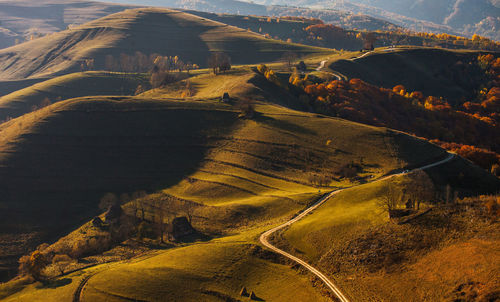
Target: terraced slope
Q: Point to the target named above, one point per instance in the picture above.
(57, 162)
(162, 31)
(66, 87)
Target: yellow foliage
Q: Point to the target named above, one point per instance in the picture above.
(262, 68)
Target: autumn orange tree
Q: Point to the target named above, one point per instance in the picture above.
(33, 265)
(429, 117)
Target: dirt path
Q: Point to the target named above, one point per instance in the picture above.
(338, 75)
(264, 238)
(78, 293)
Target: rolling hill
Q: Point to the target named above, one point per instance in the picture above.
(192, 148)
(243, 175)
(67, 87)
(23, 20)
(371, 257)
(149, 31)
(27, 19)
(436, 72)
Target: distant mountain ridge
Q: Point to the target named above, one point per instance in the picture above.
(147, 30)
(466, 17)
(26, 19)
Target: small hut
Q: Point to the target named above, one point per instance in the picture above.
(225, 98)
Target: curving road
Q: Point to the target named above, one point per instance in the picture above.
(340, 76)
(77, 295)
(264, 238)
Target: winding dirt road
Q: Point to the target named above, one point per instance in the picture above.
(340, 76)
(77, 295)
(264, 238)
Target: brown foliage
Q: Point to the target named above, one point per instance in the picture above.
(430, 117)
(33, 265)
(481, 157)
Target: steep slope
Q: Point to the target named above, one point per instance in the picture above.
(434, 72)
(149, 31)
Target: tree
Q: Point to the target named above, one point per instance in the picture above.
(224, 62)
(389, 201)
(420, 188)
(288, 58)
(61, 262)
(108, 200)
(33, 265)
(247, 108)
(162, 216)
(369, 41)
(495, 169)
(219, 62)
(109, 63)
(302, 67)
(189, 208)
(46, 102)
(139, 203)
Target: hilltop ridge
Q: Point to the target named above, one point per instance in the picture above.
(151, 30)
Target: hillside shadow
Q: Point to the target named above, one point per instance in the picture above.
(106, 146)
(196, 237)
(282, 125)
(55, 283)
(148, 35)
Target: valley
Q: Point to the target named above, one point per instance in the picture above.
(156, 154)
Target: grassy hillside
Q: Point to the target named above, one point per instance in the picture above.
(169, 140)
(434, 72)
(195, 149)
(211, 271)
(23, 19)
(66, 87)
(351, 238)
(149, 31)
(7, 87)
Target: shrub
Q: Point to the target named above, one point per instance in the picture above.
(492, 205)
(247, 108)
(262, 68)
(61, 261)
(33, 265)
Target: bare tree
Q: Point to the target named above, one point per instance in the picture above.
(162, 216)
(109, 63)
(139, 202)
(289, 58)
(108, 200)
(369, 41)
(189, 208)
(219, 62)
(420, 188)
(61, 261)
(390, 199)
